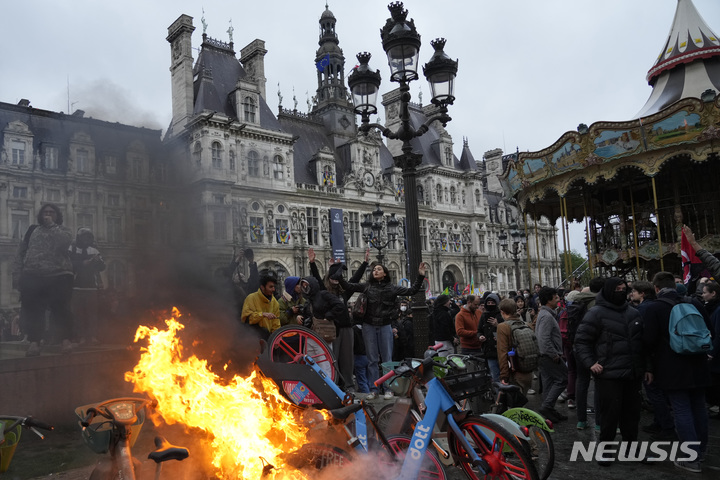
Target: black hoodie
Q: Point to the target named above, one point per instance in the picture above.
(327, 305)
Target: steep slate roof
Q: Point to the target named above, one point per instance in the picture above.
(467, 160)
(311, 137)
(216, 73)
(688, 64)
(59, 129)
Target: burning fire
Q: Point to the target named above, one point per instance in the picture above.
(246, 418)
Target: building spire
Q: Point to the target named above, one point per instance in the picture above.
(330, 63)
(687, 64)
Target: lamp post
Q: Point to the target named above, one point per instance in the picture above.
(379, 233)
(401, 43)
(519, 241)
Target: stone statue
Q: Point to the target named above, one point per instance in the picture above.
(309, 103)
(230, 31)
(204, 23)
(279, 96)
(294, 100)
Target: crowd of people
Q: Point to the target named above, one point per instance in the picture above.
(627, 338)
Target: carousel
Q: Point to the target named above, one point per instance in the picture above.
(633, 184)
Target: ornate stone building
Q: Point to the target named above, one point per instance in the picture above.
(232, 172)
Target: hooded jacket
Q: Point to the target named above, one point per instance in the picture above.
(611, 335)
(255, 305)
(671, 370)
(289, 300)
(489, 346)
(382, 298)
(327, 305)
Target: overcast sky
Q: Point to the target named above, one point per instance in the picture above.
(529, 70)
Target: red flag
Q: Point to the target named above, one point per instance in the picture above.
(688, 258)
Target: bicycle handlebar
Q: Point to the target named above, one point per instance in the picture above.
(384, 378)
(31, 422)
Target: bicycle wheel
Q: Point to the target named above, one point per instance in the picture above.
(542, 451)
(389, 423)
(505, 456)
(430, 469)
(289, 344)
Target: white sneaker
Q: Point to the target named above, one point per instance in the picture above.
(371, 396)
(389, 395)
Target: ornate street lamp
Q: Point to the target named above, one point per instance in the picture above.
(401, 43)
(519, 242)
(379, 233)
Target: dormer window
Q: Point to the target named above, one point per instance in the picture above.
(83, 161)
(249, 109)
(278, 171)
(18, 153)
(216, 155)
(253, 164)
(328, 178)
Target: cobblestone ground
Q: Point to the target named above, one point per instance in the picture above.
(67, 458)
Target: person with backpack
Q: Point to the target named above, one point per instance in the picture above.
(514, 335)
(682, 374)
(609, 342)
(43, 274)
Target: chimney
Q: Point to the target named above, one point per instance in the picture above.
(181, 75)
(252, 58)
(24, 102)
(79, 113)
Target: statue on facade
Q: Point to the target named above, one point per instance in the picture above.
(204, 23)
(279, 96)
(230, 31)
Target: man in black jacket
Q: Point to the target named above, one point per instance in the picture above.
(609, 342)
(683, 377)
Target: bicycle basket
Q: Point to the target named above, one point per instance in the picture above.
(466, 385)
(7, 449)
(99, 434)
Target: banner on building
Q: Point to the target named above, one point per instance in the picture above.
(337, 234)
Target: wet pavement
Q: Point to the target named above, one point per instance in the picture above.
(63, 455)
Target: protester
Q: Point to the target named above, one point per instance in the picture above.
(509, 373)
(488, 330)
(404, 338)
(292, 304)
(609, 343)
(443, 325)
(43, 273)
(684, 377)
(553, 372)
(87, 265)
(381, 296)
(261, 309)
(467, 322)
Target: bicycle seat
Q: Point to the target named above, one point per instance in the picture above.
(344, 412)
(505, 388)
(167, 451)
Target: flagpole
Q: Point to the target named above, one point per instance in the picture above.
(657, 224)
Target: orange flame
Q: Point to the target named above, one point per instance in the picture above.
(246, 418)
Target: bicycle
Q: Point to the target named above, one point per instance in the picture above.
(478, 445)
(471, 383)
(10, 430)
(113, 426)
(345, 418)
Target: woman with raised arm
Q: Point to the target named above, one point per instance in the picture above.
(382, 309)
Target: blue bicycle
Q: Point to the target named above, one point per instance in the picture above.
(482, 448)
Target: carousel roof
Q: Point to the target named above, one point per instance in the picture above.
(688, 64)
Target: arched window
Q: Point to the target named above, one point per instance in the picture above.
(232, 159)
(197, 152)
(453, 195)
(249, 109)
(420, 194)
(438, 193)
(253, 164)
(216, 155)
(278, 168)
(116, 275)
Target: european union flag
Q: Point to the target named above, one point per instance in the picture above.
(324, 62)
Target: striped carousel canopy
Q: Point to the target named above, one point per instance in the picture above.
(688, 64)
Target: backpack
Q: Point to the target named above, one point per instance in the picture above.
(688, 333)
(359, 309)
(575, 312)
(527, 353)
(563, 324)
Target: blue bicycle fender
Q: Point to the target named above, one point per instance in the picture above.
(527, 417)
(512, 427)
